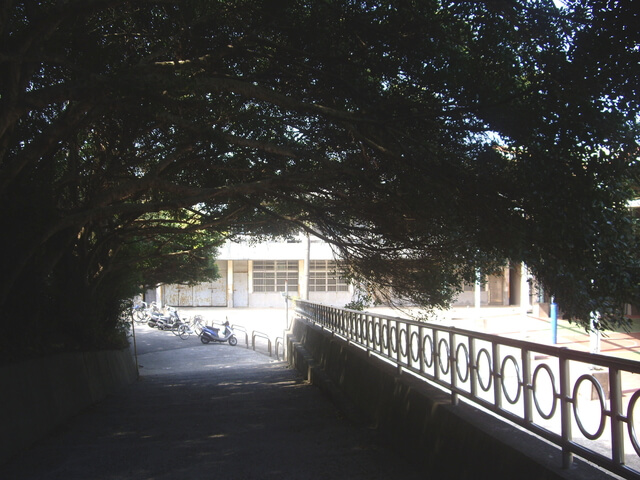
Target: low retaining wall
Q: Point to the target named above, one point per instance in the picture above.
(40, 394)
(418, 420)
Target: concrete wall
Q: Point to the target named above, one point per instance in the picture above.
(40, 394)
(457, 442)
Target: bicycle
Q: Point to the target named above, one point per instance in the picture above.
(194, 326)
(142, 311)
(139, 312)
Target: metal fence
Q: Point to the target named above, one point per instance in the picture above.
(586, 404)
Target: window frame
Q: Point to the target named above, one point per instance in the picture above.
(274, 276)
(325, 276)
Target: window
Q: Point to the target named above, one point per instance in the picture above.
(325, 276)
(271, 275)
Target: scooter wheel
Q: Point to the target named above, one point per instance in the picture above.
(233, 341)
(204, 339)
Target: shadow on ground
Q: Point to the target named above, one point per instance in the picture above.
(210, 412)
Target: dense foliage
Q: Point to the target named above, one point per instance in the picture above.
(426, 139)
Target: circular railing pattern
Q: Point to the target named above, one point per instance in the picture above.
(371, 332)
(428, 362)
(554, 396)
(403, 342)
(393, 339)
(576, 408)
(445, 343)
(414, 346)
(509, 359)
(483, 353)
(630, 421)
(465, 356)
(385, 336)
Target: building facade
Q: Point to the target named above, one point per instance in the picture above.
(259, 274)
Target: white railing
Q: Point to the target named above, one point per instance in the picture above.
(586, 404)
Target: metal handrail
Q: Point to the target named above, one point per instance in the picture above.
(541, 388)
(260, 335)
(279, 342)
(239, 328)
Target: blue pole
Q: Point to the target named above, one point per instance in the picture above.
(553, 313)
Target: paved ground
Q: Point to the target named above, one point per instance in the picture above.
(209, 411)
(215, 411)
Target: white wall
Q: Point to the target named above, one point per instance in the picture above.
(238, 257)
(276, 250)
(334, 299)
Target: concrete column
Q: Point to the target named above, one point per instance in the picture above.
(524, 290)
(230, 285)
(506, 272)
(303, 282)
(304, 288)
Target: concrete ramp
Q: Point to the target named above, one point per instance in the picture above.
(211, 411)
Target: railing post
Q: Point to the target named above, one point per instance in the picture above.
(436, 355)
(398, 348)
(565, 410)
(367, 319)
(527, 392)
(615, 402)
(453, 366)
(380, 343)
(497, 377)
(421, 335)
(473, 368)
(347, 322)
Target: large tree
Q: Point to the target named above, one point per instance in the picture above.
(428, 140)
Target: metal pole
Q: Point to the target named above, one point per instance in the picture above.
(478, 294)
(553, 313)
(135, 345)
(594, 332)
(524, 299)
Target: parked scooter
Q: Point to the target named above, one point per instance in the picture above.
(165, 322)
(213, 334)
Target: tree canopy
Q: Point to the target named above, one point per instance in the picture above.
(427, 140)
